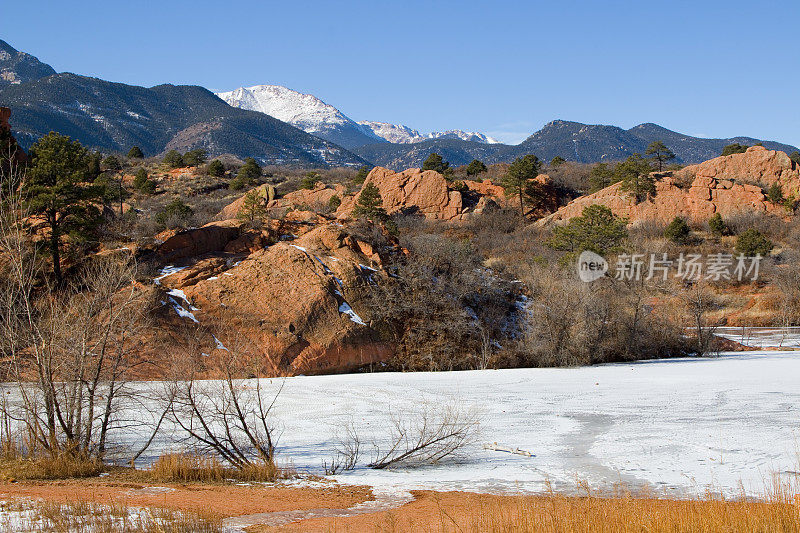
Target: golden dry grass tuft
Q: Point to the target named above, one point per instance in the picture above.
(17, 463)
(191, 467)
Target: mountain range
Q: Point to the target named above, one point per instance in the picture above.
(312, 115)
(280, 126)
(115, 116)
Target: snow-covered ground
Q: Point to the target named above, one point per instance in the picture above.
(681, 425)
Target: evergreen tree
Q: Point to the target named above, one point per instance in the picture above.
(795, 156)
(597, 230)
(634, 173)
(775, 194)
(369, 203)
(517, 181)
(173, 159)
(362, 174)
(678, 231)
(94, 166)
(659, 153)
(135, 153)
(195, 158)
(435, 162)
(174, 215)
(309, 181)
(253, 209)
(717, 226)
(557, 161)
(752, 242)
(111, 163)
(216, 169)
(600, 177)
(734, 148)
(476, 167)
(142, 183)
(111, 190)
(56, 188)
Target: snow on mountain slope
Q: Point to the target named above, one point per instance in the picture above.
(312, 115)
(401, 134)
(304, 111)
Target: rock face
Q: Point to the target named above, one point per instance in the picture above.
(290, 302)
(213, 237)
(757, 166)
(423, 192)
(726, 185)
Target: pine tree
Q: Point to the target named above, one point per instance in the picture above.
(734, 148)
(195, 158)
(678, 231)
(476, 167)
(517, 181)
(135, 153)
(173, 159)
(111, 163)
(634, 173)
(253, 208)
(369, 203)
(659, 153)
(362, 174)
(56, 188)
(557, 161)
(435, 162)
(142, 183)
(216, 169)
(600, 177)
(597, 230)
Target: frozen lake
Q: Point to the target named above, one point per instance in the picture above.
(681, 425)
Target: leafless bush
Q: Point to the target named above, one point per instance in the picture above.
(426, 436)
(229, 417)
(574, 323)
(347, 453)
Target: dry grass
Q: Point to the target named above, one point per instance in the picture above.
(185, 467)
(16, 463)
(779, 511)
(86, 517)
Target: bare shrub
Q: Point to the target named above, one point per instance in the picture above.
(231, 417)
(426, 436)
(347, 452)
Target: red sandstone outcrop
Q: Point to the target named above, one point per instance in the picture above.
(213, 237)
(295, 303)
(726, 185)
(756, 166)
(423, 192)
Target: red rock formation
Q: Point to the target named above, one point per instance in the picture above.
(424, 192)
(289, 301)
(213, 237)
(725, 185)
(756, 166)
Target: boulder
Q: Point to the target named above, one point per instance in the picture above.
(423, 192)
(290, 302)
(213, 237)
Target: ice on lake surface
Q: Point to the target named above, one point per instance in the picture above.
(761, 338)
(681, 425)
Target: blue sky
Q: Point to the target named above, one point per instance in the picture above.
(708, 68)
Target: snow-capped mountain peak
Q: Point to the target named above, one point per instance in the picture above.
(312, 115)
(304, 111)
(400, 134)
